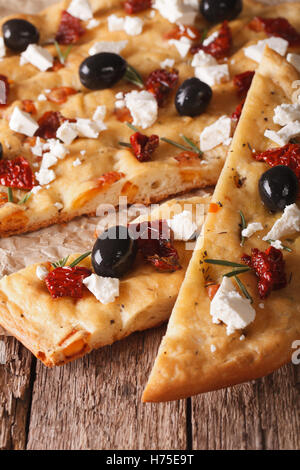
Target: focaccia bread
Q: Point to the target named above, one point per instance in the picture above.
(216, 343)
(60, 330)
(93, 171)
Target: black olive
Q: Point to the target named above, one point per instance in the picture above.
(278, 188)
(18, 34)
(216, 11)
(193, 97)
(114, 252)
(102, 70)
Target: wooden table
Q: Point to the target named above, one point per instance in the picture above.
(94, 403)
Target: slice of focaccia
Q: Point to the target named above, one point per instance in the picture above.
(63, 329)
(75, 178)
(216, 343)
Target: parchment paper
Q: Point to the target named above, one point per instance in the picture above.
(57, 241)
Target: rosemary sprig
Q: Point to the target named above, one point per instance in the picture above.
(243, 289)
(124, 144)
(79, 259)
(192, 145)
(237, 272)
(221, 262)
(25, 198)
(60, 263)
(284, 247)
(10, 196)
(132, 127)
(133, 76)
(243, 226)
(204, 34)
(171, 142)
(62, 55)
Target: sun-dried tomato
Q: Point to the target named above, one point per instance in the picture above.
(109, 178)
(156, 247)
(238, 111)
(4, 90)
(60, 95)
(69, 30)
(67, 281)
(57, 65)
(220, 46)
(28, 106)
(161, 82)
(3, 198)
(48, 123)
(143, 146)
(289, 155)
(187, 158)
(211, 290)
(135, 6)
(269, 267)
(123, 115)
(16, 173)
(279, 27)
(178, 32)
(243, 81)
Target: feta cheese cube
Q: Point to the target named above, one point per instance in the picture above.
(67, 132)
(183, 226)
(167, 63)
(23, 123)
(100, 113)
(87, 128)
(48, 160)
(105, 289)
(213, 74)
(133, 25)
(115, 23)
(288, 223)
(2, 48)
(176, 11)
(45, 176)
(229, 307)
(37, 149)
(37, 56)
(256, 51)
(251, 229)
(285, 113)
(143, 108)
(294, 59)
(58, 205)
(93, 23)
(56, 148)
(215, 134)
(77, 162)
(80, 9)
(41, 272)
(286, 133)
(182, 45)
(277, 244)
(108, 46)
(36, 189)
(201, 59)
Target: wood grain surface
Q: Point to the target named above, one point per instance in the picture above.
(94, 403)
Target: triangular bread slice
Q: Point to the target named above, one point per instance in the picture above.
(197, 355)
(58, 331)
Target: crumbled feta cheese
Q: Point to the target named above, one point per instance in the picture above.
(56, 148)
(41, 272)
(80, 9)
(48, 160)
(119, 104)
(256, 51)
(37, 56)
(285, 113)
(37, 149)
(23, 123)
(45, 176)
(210, 38)
(201, 59)
(67, 132)
(176, 11)
(242, 338)
(288, 223)
(251, 229)
(58, 205)
(99, 113)
(132, 25)
(215, 134)
(213, 348)
(182, 226)
(285, 134)
(167, 63)
(87, 128)
(294, 59)
(152, 14)
(261, 305)
(120, 95)
(277, 244)
(93, 23)
(2, 48)
(143, 108)
(229, 307)
(42, 97)
(105, 289)
(77, 162)
(182, 45)
(108, 46)
(36, 189)
(213, 74)
(82, 152)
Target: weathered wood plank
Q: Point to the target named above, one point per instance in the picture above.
(94, 403)
(262, 414)
(15, 393)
